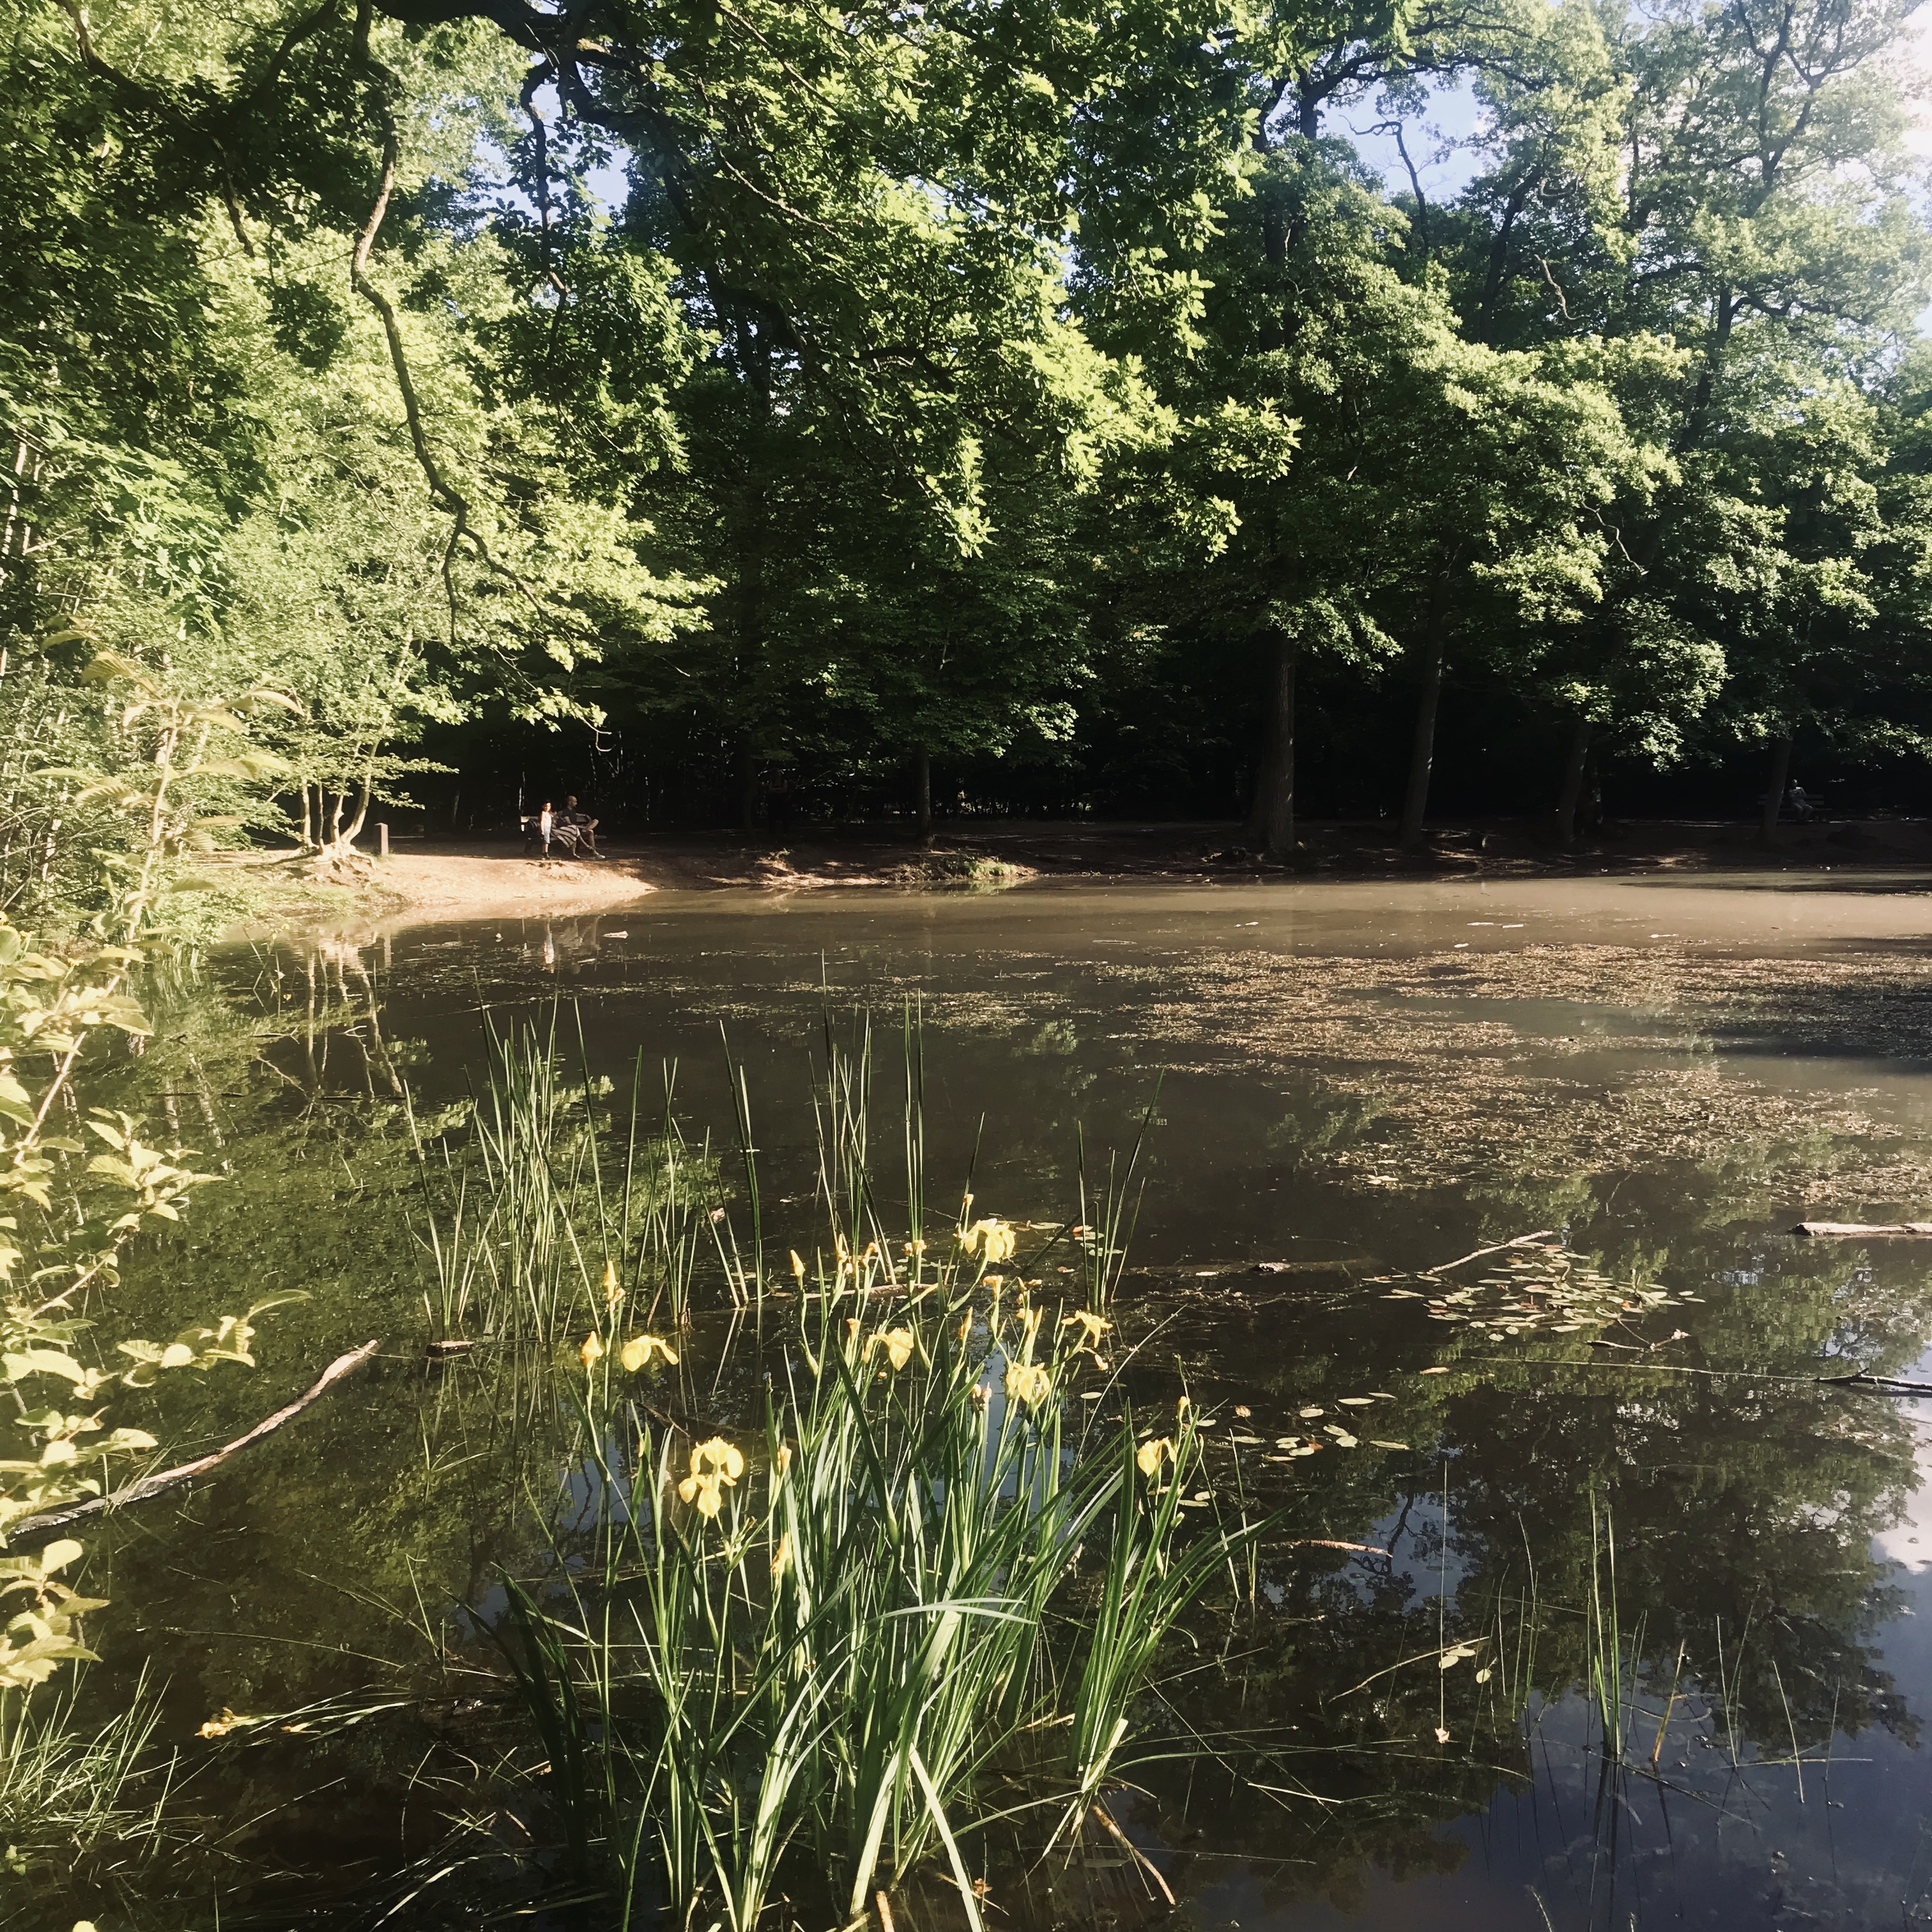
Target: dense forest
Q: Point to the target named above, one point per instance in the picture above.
(737, 411)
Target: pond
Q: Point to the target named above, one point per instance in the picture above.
(1585, 1597)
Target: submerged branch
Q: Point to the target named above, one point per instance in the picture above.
(1501, 1247)
(184, 1472)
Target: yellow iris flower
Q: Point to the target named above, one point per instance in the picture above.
(1027, 1382)
(897, 1342)
(637, 1351)
(993, 1240)
(714, 1465)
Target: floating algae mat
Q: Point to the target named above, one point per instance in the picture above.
(1265, 1516)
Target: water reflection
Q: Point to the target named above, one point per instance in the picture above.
(1685, 1541)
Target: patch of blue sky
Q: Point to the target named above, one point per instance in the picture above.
(1444, 140)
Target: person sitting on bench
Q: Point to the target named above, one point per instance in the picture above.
(580, 823)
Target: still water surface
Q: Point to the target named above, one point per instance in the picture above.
(1339, 1085)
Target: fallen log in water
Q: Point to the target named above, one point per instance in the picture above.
(1854, 1230)
(186, 1472)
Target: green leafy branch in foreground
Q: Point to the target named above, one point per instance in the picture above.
(185, 748)
(51, 1003)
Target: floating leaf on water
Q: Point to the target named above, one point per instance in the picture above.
(1243, 1410)
(1091, 1395)
(1343, 1442)
(1307, 1412)
(1254, 1439)
(1483, 1675)
(1354, 1401)
(1432, 1372)
(1373, 1444)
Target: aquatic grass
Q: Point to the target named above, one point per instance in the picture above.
(1106, 1234)
(455, 1261)
(1605, 1634)
(839, 1644)
(65, 1789)
(566, 1220)
(1146, 1587)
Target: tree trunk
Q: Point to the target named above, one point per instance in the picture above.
(751, 788)
(1271, 821)
(1422, 755)
(355, 831)
(308, 842)
(921, 781)
(1774, 796)
(1571, 795)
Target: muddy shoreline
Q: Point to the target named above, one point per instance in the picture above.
(427, 879)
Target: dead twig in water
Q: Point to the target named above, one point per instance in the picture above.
(186, 1472)
(1873, 1384)
(1501, 1247)
(1146, 1864)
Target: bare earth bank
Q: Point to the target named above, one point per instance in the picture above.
(425, 880)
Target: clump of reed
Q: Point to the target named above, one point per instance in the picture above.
(911, 1600)
(561, 1200)
(831, 1635)
(68, 1791)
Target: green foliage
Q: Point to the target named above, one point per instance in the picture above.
(847, 1641)
(937, 389)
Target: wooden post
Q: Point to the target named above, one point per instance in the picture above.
(382, 838)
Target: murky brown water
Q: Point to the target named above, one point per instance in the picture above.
(1357, 1081)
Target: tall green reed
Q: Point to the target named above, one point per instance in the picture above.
(915, 1582)
(566, 1210)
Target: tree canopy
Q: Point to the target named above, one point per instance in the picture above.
(1054, 393)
